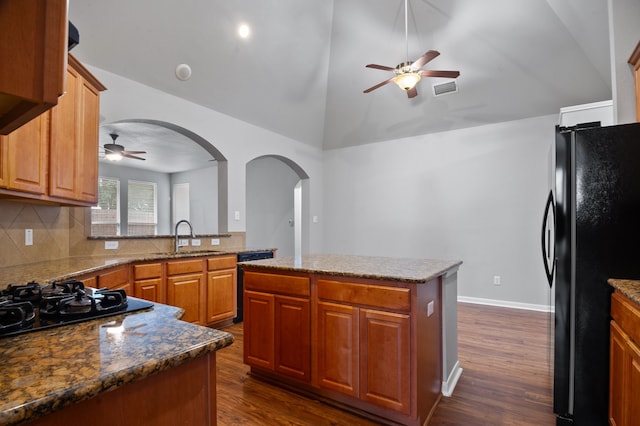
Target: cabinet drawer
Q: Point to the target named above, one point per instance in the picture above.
(398, 299)
(275, 283)
(147, 270)
(222, 262)
(184, 267)
(627, 315)
(116, 278)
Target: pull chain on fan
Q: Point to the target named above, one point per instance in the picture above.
(408, 73)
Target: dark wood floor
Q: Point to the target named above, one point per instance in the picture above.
(507, 379)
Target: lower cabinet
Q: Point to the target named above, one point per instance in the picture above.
(624, 386)
(370, 345)
(185, 288)
(149, 282)
(221, 289)
(277, 324)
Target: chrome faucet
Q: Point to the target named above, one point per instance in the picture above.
(176, 232)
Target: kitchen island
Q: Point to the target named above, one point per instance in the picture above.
(372, 335)
(141, 368)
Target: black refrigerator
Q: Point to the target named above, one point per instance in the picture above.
(596, 212)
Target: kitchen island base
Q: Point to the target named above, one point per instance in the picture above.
(367, 343)
(185, 394)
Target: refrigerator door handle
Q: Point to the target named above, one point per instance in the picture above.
(548, 256)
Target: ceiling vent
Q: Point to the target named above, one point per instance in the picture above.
(444, 88)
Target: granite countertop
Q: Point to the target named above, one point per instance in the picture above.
(70, 267)
(47, 370)
(378, 268)
(629, 288)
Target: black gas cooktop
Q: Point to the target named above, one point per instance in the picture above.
(33, 307)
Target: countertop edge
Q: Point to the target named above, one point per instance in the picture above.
(629, 288)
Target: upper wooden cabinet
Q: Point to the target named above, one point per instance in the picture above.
(54, 157)
(73, 159)
(635, 61)
(33, 48)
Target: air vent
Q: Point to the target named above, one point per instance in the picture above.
(444, 88)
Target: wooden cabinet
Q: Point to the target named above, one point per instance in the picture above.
(368, 345)
(221, 292)
(277, 324)
(634, 60)
(33, 48)
(624, 371)
(74, 137)
(365, 352)
(185, 288)
(149, 282)
(54, 157)
(24, 157)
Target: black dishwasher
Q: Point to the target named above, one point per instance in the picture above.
(245, 257)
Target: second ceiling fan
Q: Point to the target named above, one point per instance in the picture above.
(408, 74)
(115, 152)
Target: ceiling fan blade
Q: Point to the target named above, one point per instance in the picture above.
(132, 156)
(380, 67)
(133, 152)
(412, 93)
(446, 74)
(422, 60)
(378, 85)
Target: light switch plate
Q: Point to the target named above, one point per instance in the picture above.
(215, 241)
(195, 242)
(28, 237)
(430, 308)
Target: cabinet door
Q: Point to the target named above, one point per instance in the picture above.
(338, 349)
(87, 168)
(633, 386)
(617, 375)
(64, 140)
(385, 359)
(293, 337)
(259, 329)
(26, 159)
(184, 291)
(221, 295)
(151, 289)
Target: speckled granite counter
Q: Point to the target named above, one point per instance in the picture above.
(377, 268)
(47, 370)
(629, 288)
(61, 269)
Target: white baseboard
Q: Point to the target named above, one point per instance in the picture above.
(506, 304)
(449, 385)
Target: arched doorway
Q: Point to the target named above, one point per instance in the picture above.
(274, 197)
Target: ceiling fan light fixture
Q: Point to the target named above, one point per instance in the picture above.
(113, 156)
(407, 81)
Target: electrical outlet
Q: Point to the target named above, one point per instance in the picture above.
(496, 280)
(195, 242)
(215, 241)
(236, 215)
(28, 237)
(110, 245)
(430, 306)
(183, 243)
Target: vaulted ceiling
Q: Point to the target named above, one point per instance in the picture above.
(302, 71)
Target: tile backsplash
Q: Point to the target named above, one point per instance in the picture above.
(50, 225)
(60, 232)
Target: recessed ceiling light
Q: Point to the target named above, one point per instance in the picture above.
(244, 31)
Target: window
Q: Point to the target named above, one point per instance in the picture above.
(105, 217)
(142, 216)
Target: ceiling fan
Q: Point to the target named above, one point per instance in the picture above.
(115, 152)
(408, 74)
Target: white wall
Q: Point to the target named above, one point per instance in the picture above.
(270, 185)
(624, 34)
(475, 194)
(203, 198)
(238, 141)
